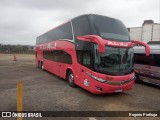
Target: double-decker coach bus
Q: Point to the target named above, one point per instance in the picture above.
(147, 68)
(91, 51)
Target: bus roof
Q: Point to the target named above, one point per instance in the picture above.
(84, 15)
(92, 15)
(155, 49)
(86, 26)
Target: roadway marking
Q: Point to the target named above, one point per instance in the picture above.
(19, 98)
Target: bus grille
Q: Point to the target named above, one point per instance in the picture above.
(118, 82)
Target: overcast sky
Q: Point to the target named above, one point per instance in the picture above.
(21, 21)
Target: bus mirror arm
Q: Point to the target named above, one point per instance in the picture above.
(94, 39)
(147, 48)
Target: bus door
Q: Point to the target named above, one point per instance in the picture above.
(85, 59)
(85, 65)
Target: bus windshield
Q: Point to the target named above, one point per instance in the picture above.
(109, 28)
(115, 61)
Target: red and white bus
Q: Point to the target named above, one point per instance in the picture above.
(91, 51)
(147, 68)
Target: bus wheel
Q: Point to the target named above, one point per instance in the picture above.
(42, 66)
(70, 78)
(137, 79)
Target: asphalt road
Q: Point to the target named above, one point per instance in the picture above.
(43, 91)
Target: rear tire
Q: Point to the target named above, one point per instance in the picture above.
(42, 66)
(70, 78)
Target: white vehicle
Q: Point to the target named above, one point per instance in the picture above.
(147, 32)
(147, 68)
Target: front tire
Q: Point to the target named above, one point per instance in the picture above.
(70, 78)
(137, 79)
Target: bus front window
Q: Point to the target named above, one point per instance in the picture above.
(114, 61)
(109, 28)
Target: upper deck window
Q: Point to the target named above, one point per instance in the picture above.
(109, 28)
(81, 26)
(60, 33)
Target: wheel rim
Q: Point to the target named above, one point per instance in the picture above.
(42, 67)
(71, 78)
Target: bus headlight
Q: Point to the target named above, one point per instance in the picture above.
(99, 79)
(96, 78)
(133, 77)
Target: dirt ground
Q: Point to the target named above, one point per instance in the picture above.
(43, 91)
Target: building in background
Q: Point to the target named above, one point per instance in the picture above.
(149, 31)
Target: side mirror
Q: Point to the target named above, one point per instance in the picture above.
(94, 39)
(147, 48)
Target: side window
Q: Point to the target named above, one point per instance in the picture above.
(85, 53)
(64, 32)
(67, 58)
(61, 32)
(48, 55)
(85, 58)
(58, 56)
(79, 56)
(81, 26)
